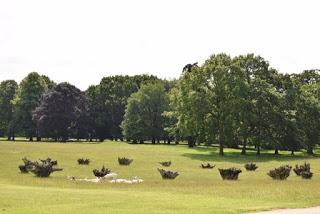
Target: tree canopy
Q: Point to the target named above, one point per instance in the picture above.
(8, 90)
(143, 119)
(62, 110)
(26, 100)
(237, 102)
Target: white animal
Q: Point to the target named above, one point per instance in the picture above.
(135, 180)
(112, 176)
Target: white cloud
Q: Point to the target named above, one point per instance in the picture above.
(82, 41)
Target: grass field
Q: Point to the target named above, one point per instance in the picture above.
(195, 190)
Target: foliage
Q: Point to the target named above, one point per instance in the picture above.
(280, 173)
(207, 166)
(101, 173)
(124, 161)
(61, 111)
(227, 101)
(167, 174)
(230, 173)
(8, 90)
(242, 101)
(27, 99)
(83, 161)
(41, 169)
(108, 101)
(143, 118)
(302, 168)
(250, 166)
(165, 163)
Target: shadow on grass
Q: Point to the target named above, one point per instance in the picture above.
(51, 141)
(234, 155)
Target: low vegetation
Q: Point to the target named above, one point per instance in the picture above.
(101, 173)
(167, 174)
(194, 191)
(165, 163)
(250, 166)
(303, 170)
(125, 161)
(83, 161)
(41, 169)
(207, 166)
(280, 173)
(230, 173)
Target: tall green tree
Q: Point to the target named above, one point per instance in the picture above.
(144, 118)
(218, 70)
(202, 101)
(256, 100)
(109, 100)
(188, 105)
(27, 99)
(286, 133)
(227, 101)
(308, 110)
(8, 90)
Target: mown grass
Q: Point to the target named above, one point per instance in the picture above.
(195, 190)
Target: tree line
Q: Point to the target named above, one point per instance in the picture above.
(232, 102)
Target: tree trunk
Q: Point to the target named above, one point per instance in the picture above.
(141, 142)
(9, 138)
(190, 142)
(169, 141)
(38, 139)
(244, 147)
(276, 151)
(158, 141)
(177, 142)
(258, 149)
(153, 141)
(31, 139)
(221, 148)
(310, 150)
(292, 152)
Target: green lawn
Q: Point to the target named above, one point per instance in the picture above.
(195, 190)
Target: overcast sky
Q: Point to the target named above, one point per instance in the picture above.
(82, 41)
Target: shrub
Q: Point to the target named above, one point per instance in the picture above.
(302, 168)
(50, 161)
(125, 161)
(250, 166)
(101, 173)
(280, 173)
(28, 165)
(166, 174)
(82, 161)
(230, 173)
(166, 163)
(43, 169)
(306, 175)
(207, 166)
